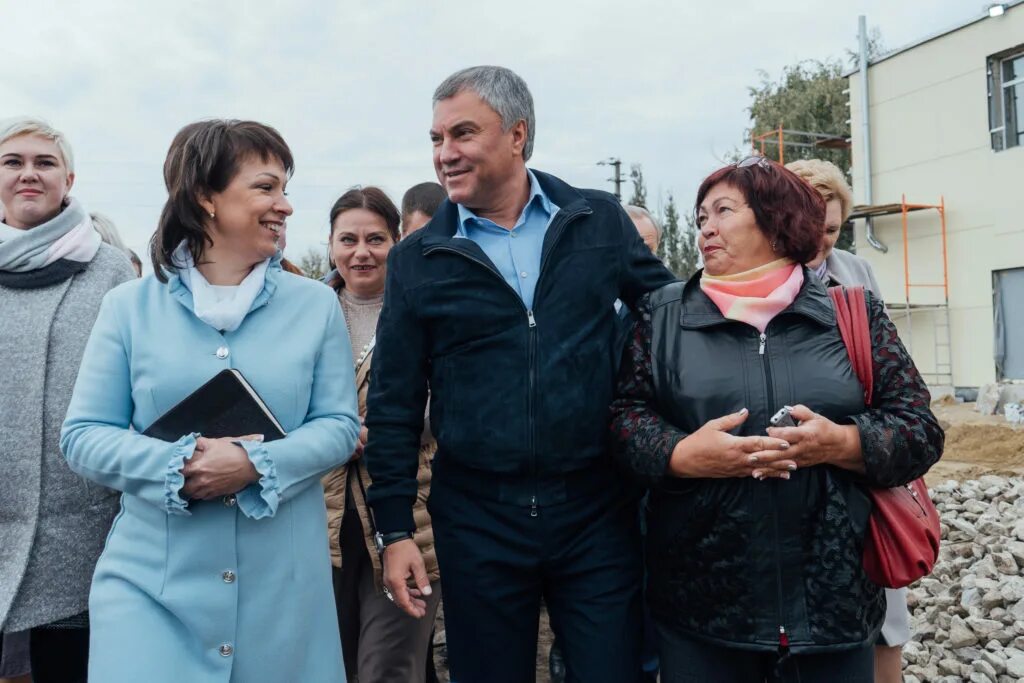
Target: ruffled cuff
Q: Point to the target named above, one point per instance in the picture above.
(260, 499)
(174, 504)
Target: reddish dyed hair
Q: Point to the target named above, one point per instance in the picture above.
(788, 211)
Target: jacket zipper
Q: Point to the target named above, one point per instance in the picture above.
(559, 226)
(770, 389)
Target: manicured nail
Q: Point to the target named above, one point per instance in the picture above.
(791, 468)
(752, 458)
(744, 411)
(784, 475)
(784, 445)
(789, 408)
(758, 475)
(426, 589)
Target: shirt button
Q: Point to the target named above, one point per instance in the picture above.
(228, 576)
(229, 501)
(225, 650)
(522, 274)
(222, 352)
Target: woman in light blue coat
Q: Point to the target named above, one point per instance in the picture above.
(216, 568)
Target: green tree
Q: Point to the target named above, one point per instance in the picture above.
(314, 263)
(636, 175)
(809, 96)
(688, 256)
(669, 245)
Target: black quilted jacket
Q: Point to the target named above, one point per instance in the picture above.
(755, 564)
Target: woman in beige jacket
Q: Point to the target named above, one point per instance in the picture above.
(380, 642)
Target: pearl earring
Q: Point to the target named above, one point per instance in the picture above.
(212, 215)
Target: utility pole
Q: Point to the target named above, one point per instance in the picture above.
(616, 163)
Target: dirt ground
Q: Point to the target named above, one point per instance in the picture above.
(975, 445)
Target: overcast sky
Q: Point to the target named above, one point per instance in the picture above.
(348, 84)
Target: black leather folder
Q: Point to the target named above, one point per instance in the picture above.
(227, 405)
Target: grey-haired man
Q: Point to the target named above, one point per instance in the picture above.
(502, 305)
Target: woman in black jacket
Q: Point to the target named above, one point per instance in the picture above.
(755, 534)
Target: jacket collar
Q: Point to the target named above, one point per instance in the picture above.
(812, 302)
(180, 292)
(442, 228)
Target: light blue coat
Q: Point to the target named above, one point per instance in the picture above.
(232, 590)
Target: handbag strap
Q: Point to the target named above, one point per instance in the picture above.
(851, 308)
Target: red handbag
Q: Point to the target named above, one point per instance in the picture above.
(902, 540)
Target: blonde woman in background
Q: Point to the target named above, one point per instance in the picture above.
(54, 271)
(838, 267)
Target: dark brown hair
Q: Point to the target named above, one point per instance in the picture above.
(372, 199)
(789, 212)
(203, 159)
(425, 198)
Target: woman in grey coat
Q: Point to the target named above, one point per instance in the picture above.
(54, 271)
(837, 267)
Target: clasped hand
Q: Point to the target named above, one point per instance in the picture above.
(218, 467)
(711, 452)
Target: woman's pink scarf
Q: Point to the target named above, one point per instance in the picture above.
(758, 295)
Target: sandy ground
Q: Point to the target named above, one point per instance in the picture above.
(975, 445)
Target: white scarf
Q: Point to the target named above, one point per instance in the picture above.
(224, 314)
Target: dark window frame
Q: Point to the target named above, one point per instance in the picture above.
(998, 116)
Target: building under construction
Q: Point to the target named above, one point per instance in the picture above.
(938, 171)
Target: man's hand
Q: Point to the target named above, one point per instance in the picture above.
(404, 561)
(218, 467)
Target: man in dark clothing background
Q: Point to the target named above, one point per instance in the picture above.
(503, 305)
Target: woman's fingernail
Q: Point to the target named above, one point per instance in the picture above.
(758, 475)
(752, 458)
(784, 445)
(784, 475)
(791, 468)
(744, 411)
(789, 408)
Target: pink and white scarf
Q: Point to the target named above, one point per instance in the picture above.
(755, 296)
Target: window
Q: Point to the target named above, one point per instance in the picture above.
(1006, 98)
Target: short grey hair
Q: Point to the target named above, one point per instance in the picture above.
(108, 231)
(25, 125)
(502, 89)
(635, 211)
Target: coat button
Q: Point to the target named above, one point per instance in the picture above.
(229, 501)
(228, 576)
(222, 352)
(225, 650)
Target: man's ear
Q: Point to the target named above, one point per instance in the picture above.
(519, 135)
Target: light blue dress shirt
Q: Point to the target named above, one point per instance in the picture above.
(515, 253)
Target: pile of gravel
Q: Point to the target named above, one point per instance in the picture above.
(968, 616)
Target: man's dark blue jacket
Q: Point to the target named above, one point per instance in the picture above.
(514, 393)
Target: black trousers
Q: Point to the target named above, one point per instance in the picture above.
(58, 655)
(497, 561)
(685, 660)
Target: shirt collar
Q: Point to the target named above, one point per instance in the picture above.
(537, 195)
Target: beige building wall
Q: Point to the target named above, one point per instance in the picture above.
(930, 140)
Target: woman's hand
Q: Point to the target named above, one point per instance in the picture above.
(361, 442)
(818, 440)
(711, 452)
(218, 467)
